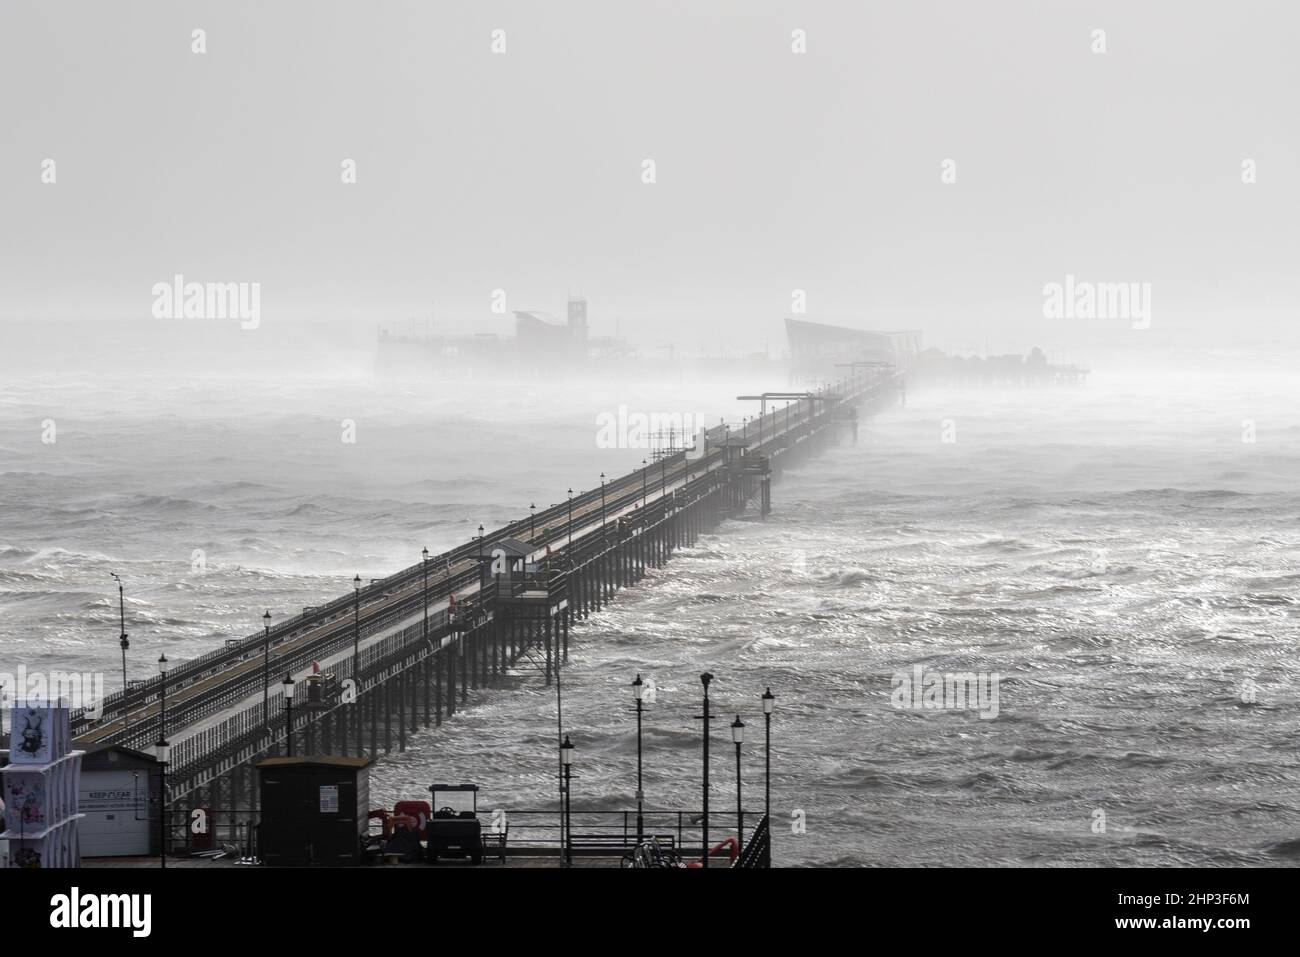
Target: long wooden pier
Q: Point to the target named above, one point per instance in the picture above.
(405, 651)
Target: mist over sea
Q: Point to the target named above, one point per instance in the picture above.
(1117, 554)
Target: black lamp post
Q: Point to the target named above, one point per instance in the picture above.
(356, 630)
(162, 696)
(738, 736)
(121, 611)
(480, 564)
(602, 503)
(266, 670)
(570, 516)
(645, 471)
(163, 752)
(566, 759)
(287, 685)
(424, 569)
(706, 717)
(769, 702)
(532, 521)
(638, 689)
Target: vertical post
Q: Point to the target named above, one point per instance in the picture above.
(704, 680)
(769, 702)
(463, 654)
(164, 753)
(356, 631)
(162, 697)
(560, 781)
(288, 712)
(481, 583)
(738, 736)
(424, 568)
(266, 671)
(125, 644)
(566, 759)
(637, 689)
(437, 687)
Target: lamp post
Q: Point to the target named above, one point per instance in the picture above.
(769, 702)
(424, 569)
(704, 680)
(602, 503)
(162, 697)
(121, 611)
(163, 752)
(480, 565)
(570, 516)
(356, 629)
(638, 690)
(645, 470)
(287, 685)
(532, 521)
(738, 736)
(566, 758)
(266, 670)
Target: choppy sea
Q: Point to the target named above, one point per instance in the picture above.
(1123, 560)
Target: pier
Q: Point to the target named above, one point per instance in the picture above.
(399, 655)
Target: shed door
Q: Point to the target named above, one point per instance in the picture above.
(116, 805)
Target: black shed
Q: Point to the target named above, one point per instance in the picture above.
(314, 810)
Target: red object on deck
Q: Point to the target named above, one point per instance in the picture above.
(419, 810)
(731, 845)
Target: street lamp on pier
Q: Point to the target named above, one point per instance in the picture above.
(769, 702)
(162, 697)
(645, 469)
(532, 521)
(638, 691)
(602, 503)
(566, 759)
(705, 679)
(356, 629)
(738, 736)
(266, 670)
(480, 565)
(570, 516)
(424, 569)
(121, 611)
(287, 684)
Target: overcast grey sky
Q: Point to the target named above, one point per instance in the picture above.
(775, 170)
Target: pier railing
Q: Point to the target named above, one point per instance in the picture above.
(530, 832)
